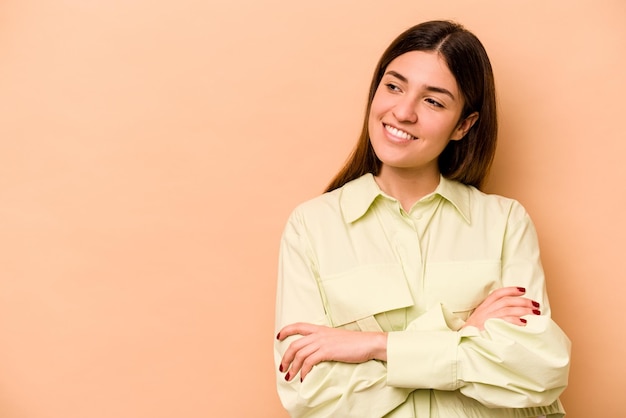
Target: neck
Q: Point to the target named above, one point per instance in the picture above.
(407, 186)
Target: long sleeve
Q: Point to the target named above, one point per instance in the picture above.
(331, 388)
(506, 365)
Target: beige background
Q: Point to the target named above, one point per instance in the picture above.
(150, 152)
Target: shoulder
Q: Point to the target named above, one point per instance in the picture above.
(348, 201)
(316, 214)
(320, 205)
(475, 204)
(496, 205)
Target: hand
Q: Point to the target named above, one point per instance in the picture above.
(505, 303)
(320, 343)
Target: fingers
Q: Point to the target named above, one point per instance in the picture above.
(505, 292)
(509, 297)
(515, 311)
(515, 320)
(302, 354)
(298, 328)
(506, 303)
(528, 305)
(301, 359)
(295, 355)
(318, 344)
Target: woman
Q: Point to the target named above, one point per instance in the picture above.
(404, 291)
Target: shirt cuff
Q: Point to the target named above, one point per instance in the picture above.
(423, 359)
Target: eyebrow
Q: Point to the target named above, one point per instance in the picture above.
(433, 89)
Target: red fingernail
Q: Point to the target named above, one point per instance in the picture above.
(278, 336)
(522, 289)
(300, 380)
(287, 377)
(535, 304)
(280, 368)
(536, 312)
(523, 320)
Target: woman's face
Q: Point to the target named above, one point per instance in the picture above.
(415, 112)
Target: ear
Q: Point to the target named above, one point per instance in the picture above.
(464, 126)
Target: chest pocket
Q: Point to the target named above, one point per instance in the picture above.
(360, 293)
(460, 286)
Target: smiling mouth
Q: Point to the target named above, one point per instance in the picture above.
(399, 133)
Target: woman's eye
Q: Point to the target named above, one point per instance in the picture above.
(433, 102)
(392, 87)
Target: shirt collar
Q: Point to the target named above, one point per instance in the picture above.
(358, 195)
(458, 194)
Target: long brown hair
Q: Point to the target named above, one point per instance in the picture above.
(467, 161)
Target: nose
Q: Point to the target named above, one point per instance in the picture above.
(405, 110)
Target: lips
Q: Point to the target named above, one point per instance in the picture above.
(399, 133)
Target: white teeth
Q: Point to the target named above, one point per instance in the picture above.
(397, 132)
